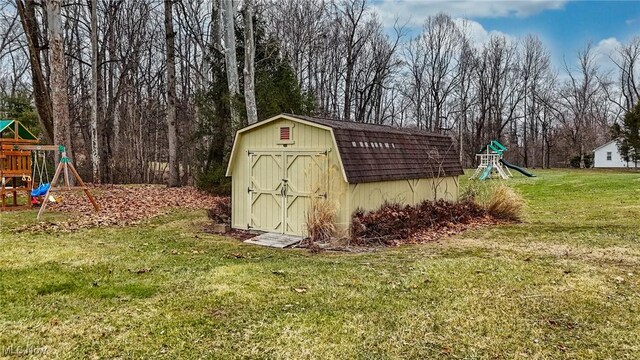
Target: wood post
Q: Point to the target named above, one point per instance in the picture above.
(64, 167)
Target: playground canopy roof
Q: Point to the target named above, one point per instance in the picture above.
(12, 130)
(495, 146)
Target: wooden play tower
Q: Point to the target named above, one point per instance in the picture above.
(15, 164)
(18, 149)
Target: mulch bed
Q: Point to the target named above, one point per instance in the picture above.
(123, 205)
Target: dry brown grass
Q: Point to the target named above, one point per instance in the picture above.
(321, 225)
(320, 220)
(505, 203)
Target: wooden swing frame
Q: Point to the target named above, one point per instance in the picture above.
(64, 167)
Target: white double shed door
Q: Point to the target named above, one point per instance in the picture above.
(282, 186)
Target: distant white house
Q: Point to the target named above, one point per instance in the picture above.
(608, 156)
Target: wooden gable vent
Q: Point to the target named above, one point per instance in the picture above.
(285, 133)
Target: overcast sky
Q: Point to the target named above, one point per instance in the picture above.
(564, 26)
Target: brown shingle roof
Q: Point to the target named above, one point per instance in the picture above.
(380, 153)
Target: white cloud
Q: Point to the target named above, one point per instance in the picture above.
(415, 11)
(477, 33)
(606, 47)
(604, 51)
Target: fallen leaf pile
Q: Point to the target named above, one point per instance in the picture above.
(394, 224)
(123, 205)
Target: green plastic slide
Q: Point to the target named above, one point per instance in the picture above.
(516, 168)
(486, 172)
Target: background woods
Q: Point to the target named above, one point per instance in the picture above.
(152, 90)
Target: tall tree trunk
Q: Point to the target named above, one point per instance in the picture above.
(347, 90)
(59, 96)
(231, 64)
(95, 151)
(112, 99)
(172, 135)
(249, 63)
(462, 122)
(42, 97)
(525, 141)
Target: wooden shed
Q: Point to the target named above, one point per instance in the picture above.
(278, 165)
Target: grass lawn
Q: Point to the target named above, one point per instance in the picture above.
(565, 284)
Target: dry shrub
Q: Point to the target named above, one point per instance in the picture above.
(393, 221)
(321, 226)
(320, 220)
(505, 203)
(220, 213)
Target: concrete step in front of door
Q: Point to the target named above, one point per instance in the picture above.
(275, 240)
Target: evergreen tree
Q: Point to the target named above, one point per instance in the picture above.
(276, 85)
(18, 107)
(628, 134)
(277, 91)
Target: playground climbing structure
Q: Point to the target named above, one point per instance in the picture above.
(19, 152)
(490, 162)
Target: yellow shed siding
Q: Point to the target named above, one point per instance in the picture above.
(266, 139)
(370, 196)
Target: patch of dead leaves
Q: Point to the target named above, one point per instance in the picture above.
(123, 205)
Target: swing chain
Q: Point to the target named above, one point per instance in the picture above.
(40, 168)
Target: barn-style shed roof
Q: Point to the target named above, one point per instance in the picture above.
(371, 153)
(380, 153)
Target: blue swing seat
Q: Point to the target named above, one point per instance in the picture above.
(41, 189)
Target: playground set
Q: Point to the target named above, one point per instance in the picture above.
(491, 162)
(22, 160)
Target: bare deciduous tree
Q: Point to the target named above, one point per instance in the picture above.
(249, 63)
(174, 169)
(231, 64)
(95, 151)
(58, 83)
